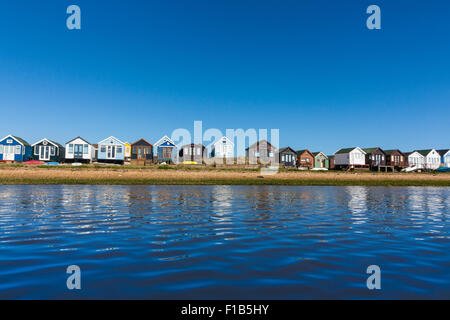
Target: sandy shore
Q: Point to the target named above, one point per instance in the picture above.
(35, 175)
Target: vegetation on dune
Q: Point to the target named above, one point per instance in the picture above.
(224, 181)
(207, 175)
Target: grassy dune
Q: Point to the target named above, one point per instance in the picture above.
(17, 174)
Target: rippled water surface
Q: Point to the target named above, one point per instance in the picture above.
(228, 242)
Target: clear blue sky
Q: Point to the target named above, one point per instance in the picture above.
(310, 68)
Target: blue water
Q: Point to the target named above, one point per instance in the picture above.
(227, 242)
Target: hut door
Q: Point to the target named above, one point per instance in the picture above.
(44, 153)
(8, 153)
(111, 152)
(78, 153)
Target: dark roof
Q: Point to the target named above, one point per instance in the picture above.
(256, 144)
(424, 152)
(22, 141)
(140, 141)
(286, 149)
(316, 153)
(79, 138)
(329, 157)
(370, 150)
(442, 152)
(54, 142)
(194, 145)
(389, 152)
(345, 150)
(299, 152)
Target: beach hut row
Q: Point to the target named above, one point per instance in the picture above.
(354, 158)
(79, 150)
(142, 152)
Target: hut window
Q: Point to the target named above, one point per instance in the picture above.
(198, 151)
(85, 149)
(103, 149)
(52, 150)
(17, 149)
(70, 148)
(134, 149)
(282, 158)
(119, 149)
(36, 150)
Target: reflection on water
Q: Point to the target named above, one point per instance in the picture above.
(225, 242)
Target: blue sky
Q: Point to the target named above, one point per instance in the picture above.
(310, 68)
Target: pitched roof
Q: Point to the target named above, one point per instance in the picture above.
(317, 153)
(256, 144)
(286, 149)
(424, 152)
(194, 145)
(348, 150)
(79, 138)
(221, 139)
(345, 150)
(114, 138)
(410, 153)
(164, 139)
(142, 139)
(22, 141)
(442, 152)
(299, 152)
(51, 141)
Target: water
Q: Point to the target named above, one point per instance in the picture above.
(227, 242)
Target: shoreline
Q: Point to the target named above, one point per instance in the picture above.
(109, 175)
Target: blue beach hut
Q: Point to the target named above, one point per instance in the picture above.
(111, 150)
(13, 148)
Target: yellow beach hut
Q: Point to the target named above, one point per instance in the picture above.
(127, 152)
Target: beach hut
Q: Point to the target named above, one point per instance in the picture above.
(141, 152)
(192, 153)
(445, 157)
(164, 150)
(305, 159)
(127, 154)
(14, 149)
(261, 151)
(287, 157)
(331, 162)
(111, 150)
(416, 159)
(350, 158)
(222, 148)
(396, 159)
(48, 151)
(432, 158)
(79, 150)
(375, 157)
(321, 160)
